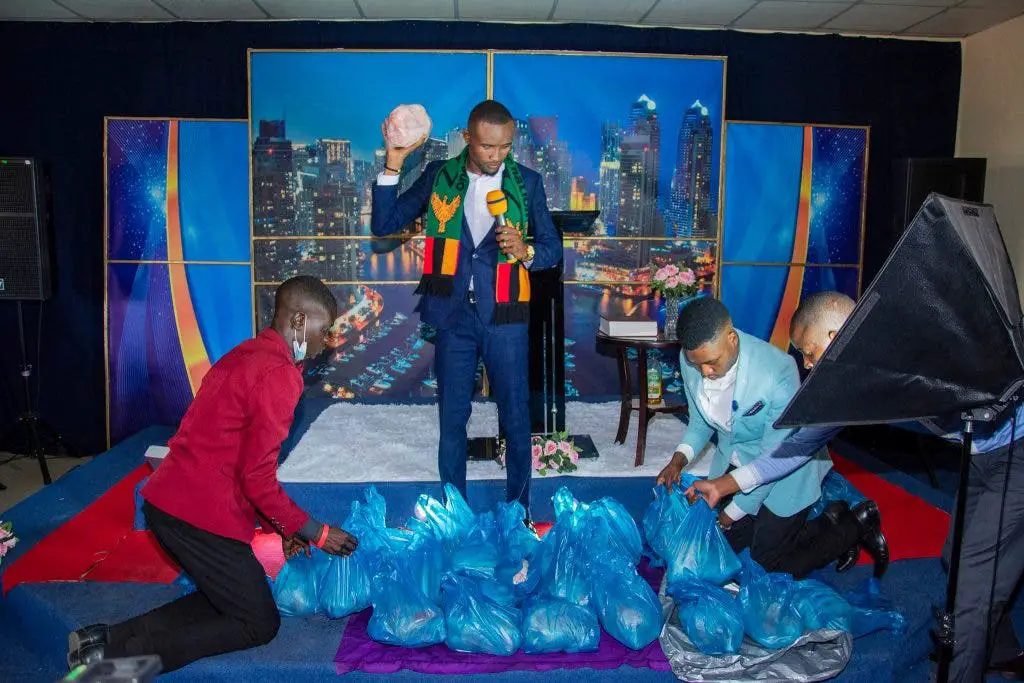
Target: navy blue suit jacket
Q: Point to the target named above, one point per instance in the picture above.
(392, 212)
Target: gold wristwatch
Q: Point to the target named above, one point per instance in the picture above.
(530, 252)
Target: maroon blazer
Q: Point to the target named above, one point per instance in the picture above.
(221, 472)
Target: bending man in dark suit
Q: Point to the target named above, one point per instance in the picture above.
(476, 286)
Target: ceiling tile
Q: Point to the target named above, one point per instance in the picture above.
(919, 3)
(697, 12)
(214, 10)
(310, 9)
(601, 10)
(21, 10)
(881, 18)
(117, 10)
(520, 10)
(408, 9)
(994, 3)
(959, 21)
(780, 14)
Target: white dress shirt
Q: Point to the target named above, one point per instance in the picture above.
(474, 206)
(716, 400)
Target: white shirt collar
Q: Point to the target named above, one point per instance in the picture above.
(474, 176)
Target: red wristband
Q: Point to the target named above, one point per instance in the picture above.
(319, 543)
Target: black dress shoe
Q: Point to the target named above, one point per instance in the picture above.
(836, 510)
(86, 638)
(869, 521)
(867, 516)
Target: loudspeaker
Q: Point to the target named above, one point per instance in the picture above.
(915, 179)
(25, 259)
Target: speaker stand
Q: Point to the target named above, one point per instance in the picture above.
(33, 429)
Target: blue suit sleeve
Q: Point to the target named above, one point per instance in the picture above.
(546, 242)
(391, 212)
(790, 455)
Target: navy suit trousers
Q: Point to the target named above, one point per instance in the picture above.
(505, 352)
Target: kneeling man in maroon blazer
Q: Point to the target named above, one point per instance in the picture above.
(218, 480)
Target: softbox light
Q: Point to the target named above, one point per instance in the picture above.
(937, 332)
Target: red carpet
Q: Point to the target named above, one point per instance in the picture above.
(99, 543)
(913, 527)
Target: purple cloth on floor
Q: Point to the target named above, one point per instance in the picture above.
(357, 652)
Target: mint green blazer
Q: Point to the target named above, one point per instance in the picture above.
(766, 379)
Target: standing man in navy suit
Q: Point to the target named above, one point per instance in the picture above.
(476, 279)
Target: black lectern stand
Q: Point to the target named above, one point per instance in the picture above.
(547, 348)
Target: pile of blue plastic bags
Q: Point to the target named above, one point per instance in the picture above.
(774, 610)
(484, 583)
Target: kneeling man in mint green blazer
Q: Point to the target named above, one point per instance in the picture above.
(736, 387)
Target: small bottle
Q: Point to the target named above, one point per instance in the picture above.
(653, 382)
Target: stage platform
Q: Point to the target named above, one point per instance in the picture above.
(305, 648)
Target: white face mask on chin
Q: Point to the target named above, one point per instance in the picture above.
(299, 350)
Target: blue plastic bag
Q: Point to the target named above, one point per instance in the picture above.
(627, 606)
(821, 607)
(139, 523)
(710, 616)
(517, 567)
(563, 562)
(835, 487)
(480, 616)
(402, 614)
(611, 527)
(688, 539)
(859, 613)
(476, 552)
(425, 562)
(368, 523)
(297, 586)
(448, 521)
(871, 611)
(768, 601)
(345, 586)
(556, 625)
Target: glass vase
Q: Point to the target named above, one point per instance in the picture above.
(672, 304)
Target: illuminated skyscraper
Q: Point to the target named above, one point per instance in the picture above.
(639, 151)
(691, 211)
(608, 179)
(522, 145)
(273, 201)
(581, 199)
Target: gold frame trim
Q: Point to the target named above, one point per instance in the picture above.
(107, 261)
(863, 201)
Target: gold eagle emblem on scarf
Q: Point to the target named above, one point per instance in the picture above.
(443, 209)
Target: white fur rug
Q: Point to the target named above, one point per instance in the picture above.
(356, 443)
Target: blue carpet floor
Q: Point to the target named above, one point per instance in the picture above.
(304, 649)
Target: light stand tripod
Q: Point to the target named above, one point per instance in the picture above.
(946, 630)
(29, 423)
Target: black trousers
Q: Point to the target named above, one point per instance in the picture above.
(794, 544)
(233, 608)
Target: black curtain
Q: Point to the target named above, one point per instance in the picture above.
(60, 80)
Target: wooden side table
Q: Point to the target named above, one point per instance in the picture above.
(646, 412)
